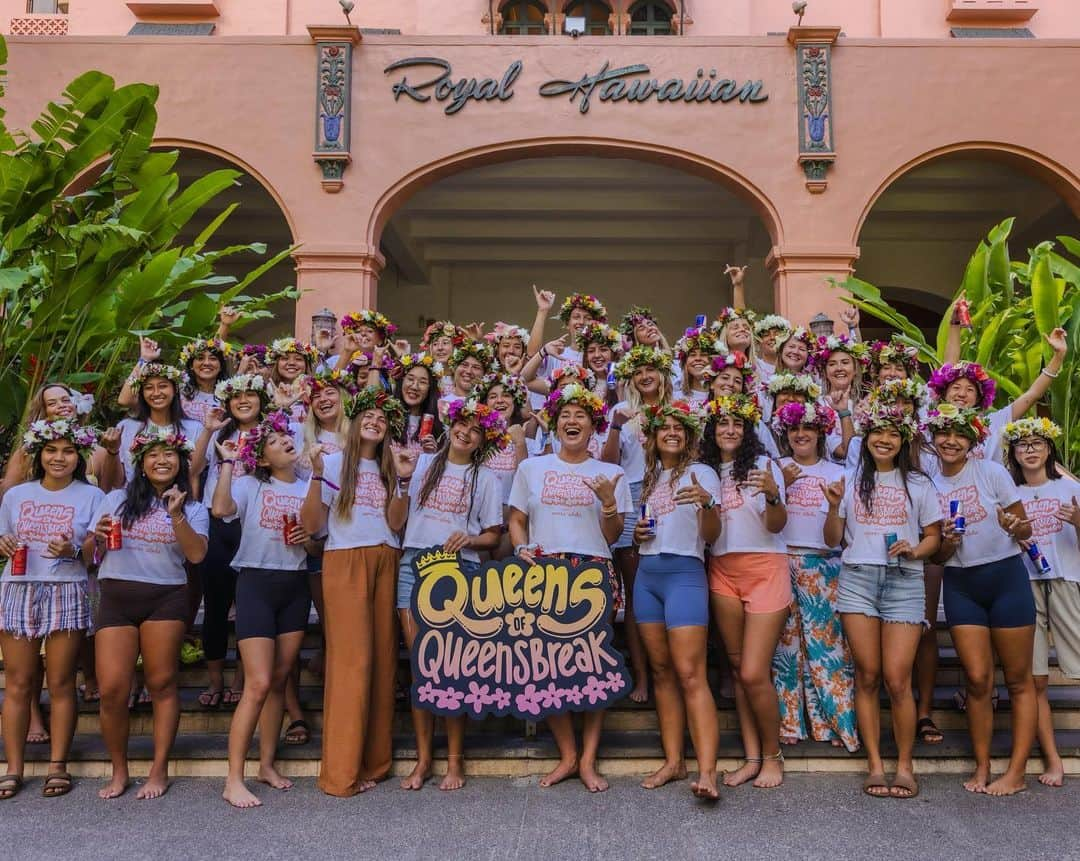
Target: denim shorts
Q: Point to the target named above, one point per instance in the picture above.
(406, 578)
(881, 592)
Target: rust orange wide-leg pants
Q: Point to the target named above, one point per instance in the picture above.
(359, 593)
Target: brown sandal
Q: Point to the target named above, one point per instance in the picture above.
(10, 785)
(905, 784)
(875, 781)
(56, 784)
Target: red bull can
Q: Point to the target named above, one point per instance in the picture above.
(647, 516)
(115, 539)
(890, 539)
(18, 560)
(963, 313)
(956, 512)
(427, 425)
(1036, 556)
(288, 521)
(699, 321)
(612, 380)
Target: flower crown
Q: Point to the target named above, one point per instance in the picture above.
(574, 393)
(501, 331)
(829, 344)
(254, 445)
(799, 333)
(513, 385)
(946, 375)
(743, 407)
(894, 352)
(892, 390)
(233, 386)
(876, 416)
(642, 357)
(600, 333)
(43, 431)
(1017, 430)
(378, 399)
(477, 349)
(794, 415)
(787, 382)
(772, 321)
(690, 416)
(151, 437)
(704, 339)
(590, 304)
(440, 329)
(205, 345)
(728, 314)
(947, 417)
(256, 350)
(156, 369)
(491, 423)
(735, 360)
(633, 318)
(379, 322)
(331, 379)
(284, 346)
(418, 360)
(574, 373)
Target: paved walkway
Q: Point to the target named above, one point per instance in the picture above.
(812, 816)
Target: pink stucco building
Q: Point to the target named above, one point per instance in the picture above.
(435, 158)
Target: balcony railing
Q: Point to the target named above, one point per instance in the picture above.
(39, 25)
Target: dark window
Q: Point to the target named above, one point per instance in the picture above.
(650, 18)
(596, 13)
(523, 18)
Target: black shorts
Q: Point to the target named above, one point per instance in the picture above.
(128, 603)
(993, 595)
(271, 603)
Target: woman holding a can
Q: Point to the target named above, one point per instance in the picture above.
(43, 597)
(888, 518)
(988, 602)
(417, 386)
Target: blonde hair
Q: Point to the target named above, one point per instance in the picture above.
(350, 466)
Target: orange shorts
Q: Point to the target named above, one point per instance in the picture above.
(760, 580)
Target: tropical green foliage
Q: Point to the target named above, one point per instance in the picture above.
(1014, 305)
(88, 256)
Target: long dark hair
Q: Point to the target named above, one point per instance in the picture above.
(176, 409)
(1051, 465)
(232, 425)
(191, 387)
(438, 467)
(429, 406)
(141, 496)
(750, 449)
(907, 461)
(37, 470)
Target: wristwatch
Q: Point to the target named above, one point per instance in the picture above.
(710, 505)
(774, 500)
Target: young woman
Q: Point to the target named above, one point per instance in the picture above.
(417, 387)
(645, 375)
(988, 602)
(641, 328)
(694, 353)
(892, 360)
(735, 329)
(748, 578)
(839, 362)
(348, 497)
(507, 396)
(571, 506)
(290, 362)
(812, 667)
(794, 350)
(365, 331)
(1050, 504)
(601, 346)
(731, 374)
(439, 341)
(467, 367)
(671, 589)
(243, 399)
(967, 385)
(769, 333)
(510, 344)
(889, 521)
(450, 499)
(578, 310)
(43, 594)
(144, 597)
(272, 594)
(325, 423)
(206, 363)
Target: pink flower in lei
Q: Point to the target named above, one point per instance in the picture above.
(255, 441)
(946, 375)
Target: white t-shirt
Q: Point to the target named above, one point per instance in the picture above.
(213, 462)
(198, 405)
(569, 356)
(764, 371)
(804, 499)
(991, 449)
(129, 428)
(891, 511)
(504, 465)
(563, 512)
(37, 516)
(367, 527)
(631, 446)
(261, 508)
(743, 529)
(447, 509)
(981, 486)
(150, 553)
(1056, 539)
(677, 529)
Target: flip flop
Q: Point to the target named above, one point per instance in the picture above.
(875, 781)
(230, 697)
(298, 733)
(210, 699)
(10, 784)
(928, 732)
(56, 784)
(905, 783)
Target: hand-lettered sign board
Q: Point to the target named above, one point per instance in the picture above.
(513, 638)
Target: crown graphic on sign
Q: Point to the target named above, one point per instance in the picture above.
(436, 557)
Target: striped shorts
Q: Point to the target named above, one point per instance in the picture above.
(35, 610)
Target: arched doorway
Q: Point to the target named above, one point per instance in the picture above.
(921, 230)
(469, 245)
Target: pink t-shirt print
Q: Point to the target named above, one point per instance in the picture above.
(155, 530)
(40, 523)
(1041, 513)
(730, 495)
(566, 489)
(805, 495)
(370, 492)
(661, 500)
(275, 506)
(889, 507)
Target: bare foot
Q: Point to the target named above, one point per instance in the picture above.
(747, 771)
(1006, 785)
(115, 787)
(455, 775)
(417, 777)
(668, 772)
(239, 795)
(1053, 775)
(705, 787)
(594, 781)
(771, 774)
(977, 782)
(366, 785)
(565, 768)
(640, 691)
(155, 787)
(273, 778)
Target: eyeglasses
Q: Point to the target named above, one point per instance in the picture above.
(1031, 445)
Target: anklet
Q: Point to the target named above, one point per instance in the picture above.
(749, 760)
(776, 757)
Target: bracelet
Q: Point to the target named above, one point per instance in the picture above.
(775, 500)
(843, 414)
(228, 461)
(178, 521)
(610, 512)
(710, 505)
(615, 427)
(1046, 373)
(326, 481)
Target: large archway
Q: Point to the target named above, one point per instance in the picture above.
(468, 243)
(916, 238)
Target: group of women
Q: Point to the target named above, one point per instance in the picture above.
(806, 499)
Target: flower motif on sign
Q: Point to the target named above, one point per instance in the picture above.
(520, 622)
